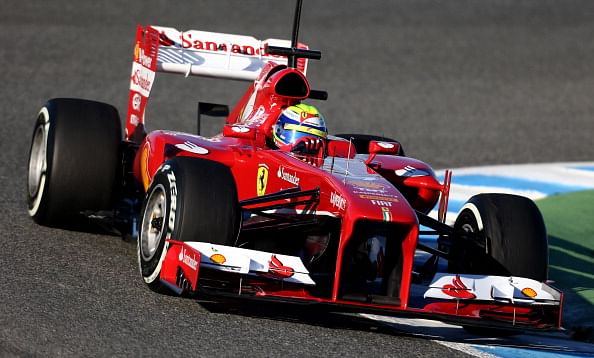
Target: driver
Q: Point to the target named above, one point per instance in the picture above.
(301, 129)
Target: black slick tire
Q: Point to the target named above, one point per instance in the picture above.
(516, 236)
(189, 199)
(73, 159)
(516, 243)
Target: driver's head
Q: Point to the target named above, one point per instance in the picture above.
(300, 128)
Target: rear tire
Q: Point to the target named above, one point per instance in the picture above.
(361, 142)
(189, 199)
(73, 159)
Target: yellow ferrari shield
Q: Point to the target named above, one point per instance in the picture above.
(262, 179)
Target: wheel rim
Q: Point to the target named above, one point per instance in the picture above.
(37, 160)
(153, 223)
(468, 227)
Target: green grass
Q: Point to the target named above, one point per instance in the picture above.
(570, 224)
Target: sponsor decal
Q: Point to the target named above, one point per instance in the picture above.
(187, 259)
(136, 51)
(191, 147)
(410, 171)
(457, 289)
(222, 43)
(136, 102)
(381, 203)
(367, 185)
(218, 259)
(141, 79)
(386, 214)
(134, 119)
(338, 201)
(191, 40)
(173, 205)
(313, 121)
(144, 166)
(293, 115)
(262, 179)
(529, 292)
(379, 197)
(141, 57)
(386, 145)
(276, 269)
(286, 176)
(240, 129)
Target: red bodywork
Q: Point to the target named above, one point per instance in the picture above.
(244, 157)
(352, 189)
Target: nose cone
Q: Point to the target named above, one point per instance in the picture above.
(376, 199)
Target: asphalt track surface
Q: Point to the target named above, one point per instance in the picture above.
(457, 82)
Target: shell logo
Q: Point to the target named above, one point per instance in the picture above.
(144, 156)
(218, 259)
(137, 51)
(529, 292)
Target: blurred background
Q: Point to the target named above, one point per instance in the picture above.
(457, 82)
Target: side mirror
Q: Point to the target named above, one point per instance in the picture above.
(239, 131)
(379, 147)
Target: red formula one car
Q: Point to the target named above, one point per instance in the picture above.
(330, 220)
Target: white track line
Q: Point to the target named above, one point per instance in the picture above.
(564, 173)
(425, 328)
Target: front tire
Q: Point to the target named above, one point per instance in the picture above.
(73, 159)
(516, 243)
(189, 199)
(516, 237)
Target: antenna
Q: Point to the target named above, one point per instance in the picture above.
(346, 172)
(293, 53)
(295, 35)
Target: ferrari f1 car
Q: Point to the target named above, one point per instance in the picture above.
(232, 215)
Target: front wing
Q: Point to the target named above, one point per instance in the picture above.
(493, 301)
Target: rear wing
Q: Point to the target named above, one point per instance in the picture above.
(216, 55)
(198, 53)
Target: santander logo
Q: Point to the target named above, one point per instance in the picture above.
(286, 176)
(143, 81)
(188, 260)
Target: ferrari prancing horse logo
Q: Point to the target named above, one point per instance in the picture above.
(262, 179)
